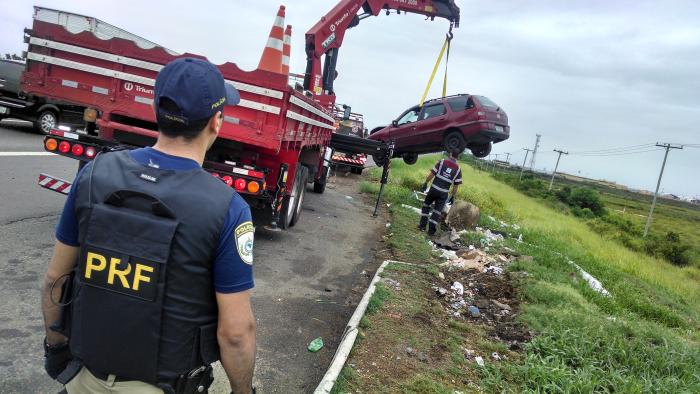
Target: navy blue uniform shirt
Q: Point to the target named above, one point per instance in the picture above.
(231, 273)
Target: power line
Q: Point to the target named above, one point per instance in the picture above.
(617, 154)
(620, 148)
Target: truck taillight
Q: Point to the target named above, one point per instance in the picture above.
(64, 147)
(90, 152)
(77, 150)
(253, 187)
(51, 144)
(227, 179)
(240, 184)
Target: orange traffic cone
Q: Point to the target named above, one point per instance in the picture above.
(271, 59)
(286, 49)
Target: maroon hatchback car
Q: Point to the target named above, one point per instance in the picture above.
(450, 123)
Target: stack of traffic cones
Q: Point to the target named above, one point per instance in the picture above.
(271, 59)
(286, 49)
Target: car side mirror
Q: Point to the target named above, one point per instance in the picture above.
(395, 123)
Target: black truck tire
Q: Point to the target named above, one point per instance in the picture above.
(303, 180)
(47, 120)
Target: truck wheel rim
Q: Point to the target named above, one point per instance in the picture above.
(301, 200)
(48, 121)
(293, 198)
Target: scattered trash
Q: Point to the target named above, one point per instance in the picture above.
(494, 270)
(479, 360)
(474, 311)
(501, 305)
(495, 356)
(388, 225)
(315, 345)
(422, 357)
(592, 282)
(441, 275)
(394, 284)
(457, 288)
(454, 235)
(348, 197)
(414, 209)
(411, 351)
(441, 291)
(520, 238)
(611, 318)
(468, 353)
(458, 305)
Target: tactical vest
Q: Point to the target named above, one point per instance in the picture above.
(447, 172)
(143, 301)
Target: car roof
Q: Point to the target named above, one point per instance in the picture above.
(439, 99)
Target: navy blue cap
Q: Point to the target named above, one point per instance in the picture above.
(196, 87)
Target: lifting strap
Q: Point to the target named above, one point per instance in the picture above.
(445, 47)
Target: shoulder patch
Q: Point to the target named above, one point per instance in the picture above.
(245, 233)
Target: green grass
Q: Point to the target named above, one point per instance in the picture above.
(644, 338)
(379, 297)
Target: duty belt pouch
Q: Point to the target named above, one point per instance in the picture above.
(122, 271)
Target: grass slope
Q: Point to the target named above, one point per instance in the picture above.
(645, 338)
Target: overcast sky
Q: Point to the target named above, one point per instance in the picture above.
(587, 75)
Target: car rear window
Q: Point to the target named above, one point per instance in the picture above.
(486, 102)
(460, 103)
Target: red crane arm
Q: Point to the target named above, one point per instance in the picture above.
(326, 36)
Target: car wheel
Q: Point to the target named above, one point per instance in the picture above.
(379, 159)
(410, 158)
(46, 121)
(454, 141)
(481, 150)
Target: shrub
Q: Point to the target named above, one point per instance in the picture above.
(584, 197)
(585, 213)
(564, 195)
(669, 247)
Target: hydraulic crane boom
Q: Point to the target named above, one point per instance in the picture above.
(326, 36)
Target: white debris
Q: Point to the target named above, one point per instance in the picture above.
(494, 270)
(444, 253)
(592, 281)
(388, 225)
(457, 288)
(441, 275)
(493, 236)
(414, 209)
(454, 235)
(520, 238)
(479, 360)
(491, 218)
(496, 356)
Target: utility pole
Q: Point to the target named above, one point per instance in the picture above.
(556, 166)
(494, 163)
(527, 151)
(534, 151)
(658, 183)
(508, 158)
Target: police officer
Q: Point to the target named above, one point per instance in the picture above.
(157, 258)
(444, 175)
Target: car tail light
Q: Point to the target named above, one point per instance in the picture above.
(90, 152)
(253, 187)
(240, 184)
(51, 144)
(64, 147)
(228, 180)
(77, 150)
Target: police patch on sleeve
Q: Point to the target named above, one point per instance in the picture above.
(244, 241)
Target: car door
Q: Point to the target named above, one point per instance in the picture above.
(401, 132)
(429, 128)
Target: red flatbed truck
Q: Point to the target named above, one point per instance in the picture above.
(270, 146)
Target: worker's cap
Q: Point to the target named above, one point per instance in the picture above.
(196, 87)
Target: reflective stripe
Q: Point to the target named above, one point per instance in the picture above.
(433, 221)
(97, 89)
(69, 83)
(143, 100)
(443, 178)
(304, 119)
(303, 104)
(424, 214)
(91, 69)
(438, 188)
(260, 107)
(285, 60)
(274, 43)
(279, 21)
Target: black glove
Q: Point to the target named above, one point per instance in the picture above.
(56, 358)
(424, 186)
(451, 200)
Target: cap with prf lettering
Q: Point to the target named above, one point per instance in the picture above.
(197, 89)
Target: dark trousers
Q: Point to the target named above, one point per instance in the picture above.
(432, 219)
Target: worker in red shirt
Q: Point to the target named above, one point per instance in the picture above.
(444, 175)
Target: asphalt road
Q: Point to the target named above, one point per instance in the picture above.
(308, 279)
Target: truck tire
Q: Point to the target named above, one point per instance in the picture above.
(320, 183)
(379, 159)
(289, 203)
(410, 158)
(481, 150)
(454, 141)
(303, 180)
(46, 121)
